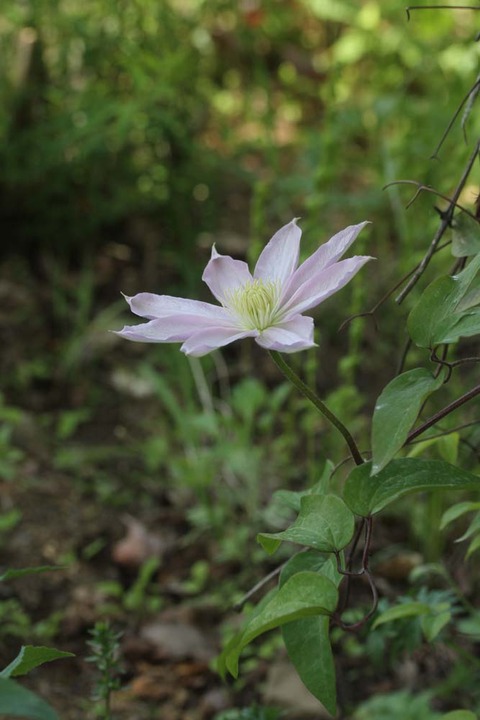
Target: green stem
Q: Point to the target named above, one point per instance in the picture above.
(319, 404)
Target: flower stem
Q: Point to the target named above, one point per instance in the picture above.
(319, 404)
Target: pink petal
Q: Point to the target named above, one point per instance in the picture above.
(289, 336)
(322, 284)
(151, 306)
(326, 255)
(177, 328)
(204, 341)
(279, 257)
(224, 275)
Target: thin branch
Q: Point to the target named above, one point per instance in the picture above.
(439, 7)
(445, 222)
(454, 118)
(445, 432)
(443, 413)
(360, 623)
(426, 188)
(238, 607)
(403, 356)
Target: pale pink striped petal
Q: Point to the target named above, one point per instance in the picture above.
(322, 284)
(326, 255)
(177, 328)
(151, 306)
(224, 275)
(289, 336)
(204, 341)
(279, 258)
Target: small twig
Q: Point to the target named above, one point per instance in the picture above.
(443, 413)
(390, 292)
(426, 188)
(446, 432)
(439, 7)
(360, 623)
(238, 607)
(445, 222)
(403, 356)
(454, 118)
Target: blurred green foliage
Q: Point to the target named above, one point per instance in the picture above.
(135, 133)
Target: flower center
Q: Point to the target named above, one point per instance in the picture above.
(255, 304)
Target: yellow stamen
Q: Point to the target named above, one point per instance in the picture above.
(255, 304)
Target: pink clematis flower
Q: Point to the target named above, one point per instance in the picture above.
(267, 305)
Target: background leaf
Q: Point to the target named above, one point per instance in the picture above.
(366, 495)
(17, 701)
(396, 410)
(465, 236)
(13, 574)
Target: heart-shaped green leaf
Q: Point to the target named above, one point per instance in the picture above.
(304, 595)
(324, 523)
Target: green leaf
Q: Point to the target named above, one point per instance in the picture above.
(324, 523)
(432, 617)
(465, 236)
(292, 498)
(398, 612)
(17, 701)
(474, 527)
(473, 547)
(457, 511)
(435, 621)
(437, 317)
(307, 641)
(31, 657)
(305, 594)
(308, 647)
(313, 561)
(459, 715)
(396, 410)
(366, 495)
(13, 574)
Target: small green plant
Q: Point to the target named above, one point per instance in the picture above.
(104, 647)
(16, 700)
